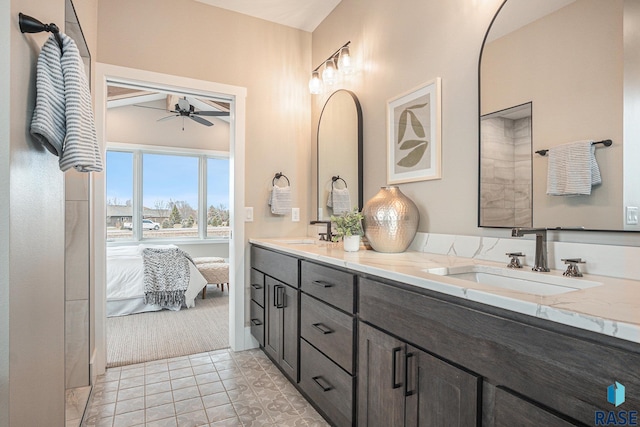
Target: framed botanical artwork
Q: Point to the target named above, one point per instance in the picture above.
(413, 141)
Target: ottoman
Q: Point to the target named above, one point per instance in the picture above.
(216, 273)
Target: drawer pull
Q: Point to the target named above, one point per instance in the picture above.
(324, 329)
(322, 283)
(256, 322)
(394, 357)
(325, 387)
(256, 286)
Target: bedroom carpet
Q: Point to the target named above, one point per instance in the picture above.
(164, 334)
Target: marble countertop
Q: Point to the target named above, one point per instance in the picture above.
(610, 308)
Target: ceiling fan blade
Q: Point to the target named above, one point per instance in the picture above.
(212, 113)
(201, 120)
(183, 104)
(167, 118)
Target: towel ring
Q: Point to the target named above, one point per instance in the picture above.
(336, 178)
(277, 177)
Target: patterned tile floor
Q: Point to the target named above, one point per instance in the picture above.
(219, 388)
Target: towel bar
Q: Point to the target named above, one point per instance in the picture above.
(337, 178)
(605, 142)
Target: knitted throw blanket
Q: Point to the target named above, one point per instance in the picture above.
(166, 276)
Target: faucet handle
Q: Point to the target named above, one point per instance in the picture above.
(515, 261)
(572, 267)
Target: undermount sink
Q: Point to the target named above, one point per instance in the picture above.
(525, 281)
(298, 241)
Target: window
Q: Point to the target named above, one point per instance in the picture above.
(160, 195)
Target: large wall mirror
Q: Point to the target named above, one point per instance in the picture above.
(553, 72)
(339, 154)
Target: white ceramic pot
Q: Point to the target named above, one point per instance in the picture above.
(351, 243)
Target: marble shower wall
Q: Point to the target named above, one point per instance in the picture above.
(76, 279)
(506, 172)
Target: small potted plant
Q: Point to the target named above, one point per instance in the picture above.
(349, 227)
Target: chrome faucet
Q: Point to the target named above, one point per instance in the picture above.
(540, 263)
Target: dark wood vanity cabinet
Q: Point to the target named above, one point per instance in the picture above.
(376, 352)
(327, 340)
(401, 385)
(257, 306)
(278, 335)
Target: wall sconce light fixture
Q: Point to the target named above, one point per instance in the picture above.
(338, 62)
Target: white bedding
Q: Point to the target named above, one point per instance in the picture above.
(125, 284)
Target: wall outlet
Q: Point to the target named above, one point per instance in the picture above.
(632, 215)
(248, 214)
(295, 214)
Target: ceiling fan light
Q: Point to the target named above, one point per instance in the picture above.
(329, 73)
(344, 61)
(315, 84)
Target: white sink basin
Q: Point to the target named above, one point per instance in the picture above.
(515, 279)
(298, 241)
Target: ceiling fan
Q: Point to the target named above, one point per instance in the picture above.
(184, 109)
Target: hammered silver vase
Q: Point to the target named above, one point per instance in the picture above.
(390, 220)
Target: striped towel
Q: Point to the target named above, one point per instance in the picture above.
(280, 200)
(339, 200)
(573, 169)
(63, 117)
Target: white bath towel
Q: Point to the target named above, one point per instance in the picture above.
(280, 200)
(573, 169)
(339, 200)
(63, 117)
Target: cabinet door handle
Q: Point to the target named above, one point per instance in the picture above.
(275, 296)
(280, 296)
(407, 363)
(256, 286)
(326, 387)
(322, 283)
(256, 322)
(394, 357)
(324, 329)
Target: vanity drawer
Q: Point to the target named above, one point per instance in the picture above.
(257, 287)
(326, 384)
(329, 330)
(276, 265)
(257, 322)
(328, 284)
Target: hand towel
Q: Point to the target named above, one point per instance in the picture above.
(340, 201)
(572, 169)
(280, 200)
(63, 117)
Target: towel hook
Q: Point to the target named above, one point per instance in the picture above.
(29, 24)
(337, 178)
(278, 176)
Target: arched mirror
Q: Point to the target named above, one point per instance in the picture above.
(339, 155)
(553, 72)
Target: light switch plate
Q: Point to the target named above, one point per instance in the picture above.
(248, 214)
(295, 214)
(632, 215)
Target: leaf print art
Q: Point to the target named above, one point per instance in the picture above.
(418, 143)
(413, 135)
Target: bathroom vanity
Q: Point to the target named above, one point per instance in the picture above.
(378, 339)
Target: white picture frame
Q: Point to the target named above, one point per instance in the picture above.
(414, 147)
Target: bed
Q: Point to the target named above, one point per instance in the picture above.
(125, 281)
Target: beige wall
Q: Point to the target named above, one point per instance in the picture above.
(573, 76)
(191, 39)
(398, 46)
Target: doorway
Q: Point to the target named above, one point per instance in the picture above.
(239, 338)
